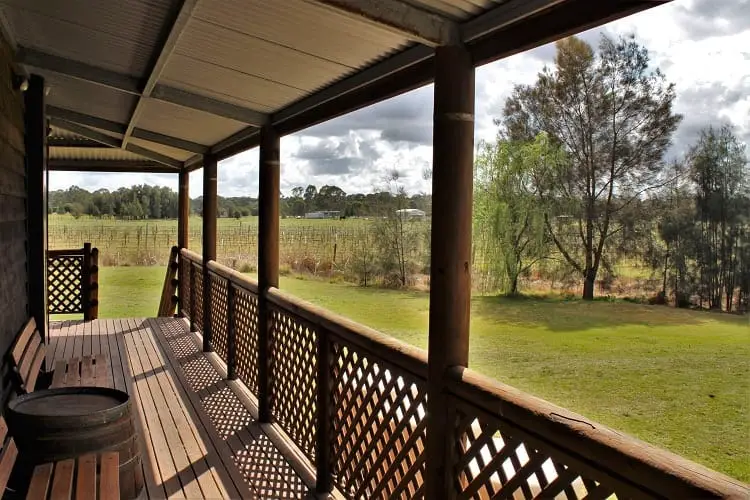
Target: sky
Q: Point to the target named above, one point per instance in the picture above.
(703, 46)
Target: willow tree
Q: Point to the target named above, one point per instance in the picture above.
(612, 114)
(508, 217)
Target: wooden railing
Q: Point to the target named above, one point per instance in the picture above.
(354, 401)
(73, 281)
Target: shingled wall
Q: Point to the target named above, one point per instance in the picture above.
(13, 262)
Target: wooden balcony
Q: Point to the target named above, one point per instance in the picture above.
(349, 409)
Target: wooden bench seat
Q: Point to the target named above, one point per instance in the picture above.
(76, 478)
(8, 455)
(27, 355)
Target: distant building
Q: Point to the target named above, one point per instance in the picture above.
(323, 214)
(411, 213)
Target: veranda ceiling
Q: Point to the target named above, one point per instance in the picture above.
(155, 84)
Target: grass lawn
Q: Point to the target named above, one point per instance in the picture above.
(678, 379)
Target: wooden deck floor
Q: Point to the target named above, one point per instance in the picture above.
(199, 435)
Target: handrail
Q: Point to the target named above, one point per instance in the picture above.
(235, 277)
(503, 415)
(625, 459)
(394, 351)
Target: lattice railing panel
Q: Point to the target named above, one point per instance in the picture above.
(184, 290)
(65, 284)
(294, 355)
(219, 310)
(198, 294)
(492, 460)
(246, 337)
(378, 426)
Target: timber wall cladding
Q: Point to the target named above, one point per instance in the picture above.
(13, 274)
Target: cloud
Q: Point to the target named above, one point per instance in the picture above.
(700, 19)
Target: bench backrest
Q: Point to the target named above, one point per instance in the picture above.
(27, 356)
(8, 455)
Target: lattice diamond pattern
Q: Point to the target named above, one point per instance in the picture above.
(219, 301)
(294, 354)
(492, 462)
(185, 286)
(198, 297)
(64, 284)
(378, 427)
(246, 331)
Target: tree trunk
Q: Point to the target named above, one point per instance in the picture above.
(588, 284)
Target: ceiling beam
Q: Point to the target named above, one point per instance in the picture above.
(86, 132)
(114, 142)
(167, 140)
(78, 70)
(144, 166)
(161, 58)
(87, 120)
(131, 85)
(71, 142)
(119, 129)
(209, 105)
(153, 155)
(416, 24)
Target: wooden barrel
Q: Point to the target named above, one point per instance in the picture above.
(56, 424)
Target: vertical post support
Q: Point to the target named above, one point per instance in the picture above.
(268, 259)
(94, 286)
(193, 294)
(450, 261)
(183, 228)
(210, 214)
(86, 282)
(35, 139)
(231, 334)
(323, 480)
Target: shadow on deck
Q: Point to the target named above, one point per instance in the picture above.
(200, 435)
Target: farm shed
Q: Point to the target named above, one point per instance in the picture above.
(248, 390)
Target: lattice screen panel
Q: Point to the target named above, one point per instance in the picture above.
(246, 331)
(294, 354)
(198, 297)
(493, 461)
(219, 314)
(184, 291)
(64, 284)
(378, 426)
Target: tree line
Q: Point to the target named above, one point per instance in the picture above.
(577, 180)
(154, 202)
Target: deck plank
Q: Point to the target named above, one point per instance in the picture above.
(197, 440)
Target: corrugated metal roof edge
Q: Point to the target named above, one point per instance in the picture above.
(560, 20)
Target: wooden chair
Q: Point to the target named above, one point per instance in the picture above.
(27, 356)
(77, 478)
(8, 455)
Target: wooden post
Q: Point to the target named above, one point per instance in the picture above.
(183, 228)
(35, 139)
(450, 265)
(231, 334)
(324, 481)
(86, 282)
(94, 287)
(210, 214)
(268, 259)
(193, 294)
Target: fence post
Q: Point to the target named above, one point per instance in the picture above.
(231, 334)
(86, 282)
(94, 303)
(323, 482)
(192, 298)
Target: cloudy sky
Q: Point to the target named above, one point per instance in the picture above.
(703, 46)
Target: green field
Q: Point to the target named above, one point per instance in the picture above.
(679, 379)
